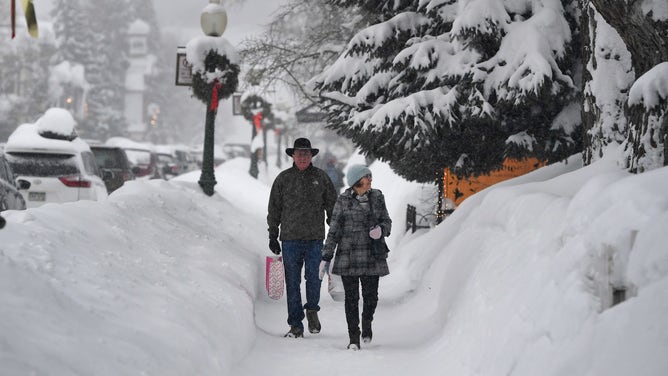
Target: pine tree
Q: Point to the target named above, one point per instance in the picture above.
(75, 48)
(439, 85)
(105, 72)
(71, 26)
(608, 115)
(24, 70)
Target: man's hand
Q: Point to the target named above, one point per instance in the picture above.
(275, 246)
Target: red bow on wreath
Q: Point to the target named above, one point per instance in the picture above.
(214, 95)
(257, 120)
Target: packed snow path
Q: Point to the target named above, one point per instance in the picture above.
(273, 354)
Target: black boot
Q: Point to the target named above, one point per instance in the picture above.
(367, 334)
(354, 340)
(295, 332)
(313, 321)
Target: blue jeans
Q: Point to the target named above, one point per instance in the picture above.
(296, 254)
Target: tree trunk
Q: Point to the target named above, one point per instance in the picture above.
(589, 111)
(647, 42)
(646, 39)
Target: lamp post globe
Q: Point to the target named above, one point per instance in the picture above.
(213, 19)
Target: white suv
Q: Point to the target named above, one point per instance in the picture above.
(59, 165)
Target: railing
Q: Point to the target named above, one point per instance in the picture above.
(415, 220)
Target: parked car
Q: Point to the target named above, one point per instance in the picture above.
(185, 160)
(177, 154)
(114, 160)
(10, 197)
(236, 150)
(58, 164)
(143, 159)
(167, 165)
(219, 156)
(144, 163)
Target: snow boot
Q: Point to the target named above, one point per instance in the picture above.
(367, 334)
(295, 332)
(354, 341)
(313, 322)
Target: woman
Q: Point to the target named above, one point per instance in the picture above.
(357, 229)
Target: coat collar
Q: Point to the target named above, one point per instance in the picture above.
(309, 168)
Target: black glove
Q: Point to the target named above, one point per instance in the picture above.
(275, 246)
(2, 222)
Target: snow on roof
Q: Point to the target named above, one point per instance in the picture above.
(26, 138)
(56, 121)
(126, 143)
(139, 27)
(164, 149)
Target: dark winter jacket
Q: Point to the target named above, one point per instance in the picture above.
(349, 235)
(298, 203)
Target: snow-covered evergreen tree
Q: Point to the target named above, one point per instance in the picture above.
(457, 84)
(72, 28)
(624, 52)
(105, 72)
(75, 48)
(24, 79)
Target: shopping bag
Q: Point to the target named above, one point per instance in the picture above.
(275, 276)
(335, 287)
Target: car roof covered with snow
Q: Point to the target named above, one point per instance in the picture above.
(53, 132)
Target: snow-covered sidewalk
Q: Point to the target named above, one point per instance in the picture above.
(326, 351)
(163, 280)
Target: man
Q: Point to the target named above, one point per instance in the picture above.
(300, 197)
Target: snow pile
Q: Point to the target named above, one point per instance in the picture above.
(57, 123)
(161, 279)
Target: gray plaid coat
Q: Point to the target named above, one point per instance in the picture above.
(348, 235)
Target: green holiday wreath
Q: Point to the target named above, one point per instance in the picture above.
(228, 80)
(254, 102)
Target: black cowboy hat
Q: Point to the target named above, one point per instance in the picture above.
(302, 144)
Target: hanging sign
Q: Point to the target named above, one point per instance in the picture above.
(236, 104)
(184, 70)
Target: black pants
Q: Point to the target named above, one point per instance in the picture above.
(351, 286)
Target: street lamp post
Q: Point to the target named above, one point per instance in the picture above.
(207, 179)
(278, 129)
(258, 112)
(215, 76)
(213, 21)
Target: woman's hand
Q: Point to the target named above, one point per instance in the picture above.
(324, 267)
(376, 232)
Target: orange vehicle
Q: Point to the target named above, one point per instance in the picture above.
(458, 190)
